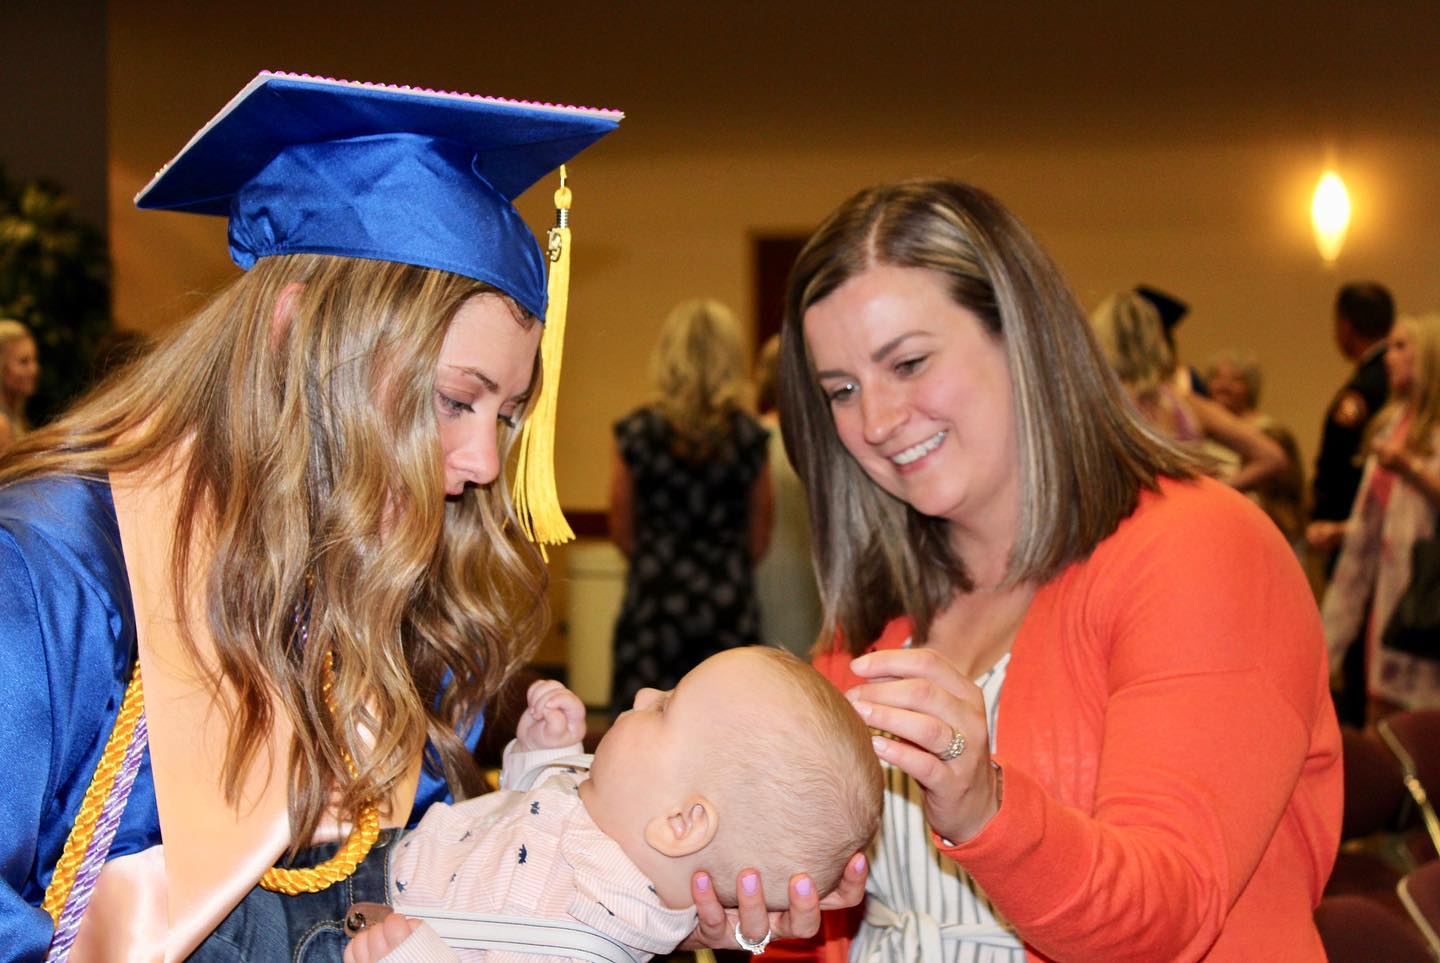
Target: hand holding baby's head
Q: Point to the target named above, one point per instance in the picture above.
(754, 761)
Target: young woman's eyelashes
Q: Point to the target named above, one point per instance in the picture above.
(454, 408)
(451, 407)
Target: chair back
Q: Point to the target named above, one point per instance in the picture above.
(1414, 737)
(1420, 895)
(1375, 794)
(1355, 929)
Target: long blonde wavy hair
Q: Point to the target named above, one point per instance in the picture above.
(1422, 398)
(699, 374)
(312, 470)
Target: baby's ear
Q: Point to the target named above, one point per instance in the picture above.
(684, 830)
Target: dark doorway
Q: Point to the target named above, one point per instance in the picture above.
(774, 256)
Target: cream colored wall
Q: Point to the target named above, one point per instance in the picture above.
(1153, 146)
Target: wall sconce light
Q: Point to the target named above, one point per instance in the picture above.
(1330, 215)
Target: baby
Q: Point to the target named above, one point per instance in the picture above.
(752, 761)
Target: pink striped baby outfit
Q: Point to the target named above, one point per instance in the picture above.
(533, 853)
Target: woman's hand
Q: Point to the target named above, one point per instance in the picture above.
(1392, 455)
(554, 717)
(717, 925)
(1409, 466)
(942, 739)
(1322, 536)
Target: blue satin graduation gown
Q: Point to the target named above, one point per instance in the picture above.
(67, 634)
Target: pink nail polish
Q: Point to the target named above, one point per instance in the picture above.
(750, 882)
(702, 883)
(804, 887)
(860, 865)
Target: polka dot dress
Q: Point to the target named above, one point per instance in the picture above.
(690, 589)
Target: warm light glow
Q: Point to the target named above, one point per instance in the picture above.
(1330, 214)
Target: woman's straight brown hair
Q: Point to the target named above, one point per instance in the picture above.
(1085, 454)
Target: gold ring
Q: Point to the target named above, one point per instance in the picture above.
(955, 749)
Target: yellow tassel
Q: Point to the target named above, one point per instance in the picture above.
(537, 503)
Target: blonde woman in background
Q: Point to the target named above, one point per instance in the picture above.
(19, 370)
(690, 505)
(1133, 338)
(785, 577)
(1234, 381)
(1396, 505)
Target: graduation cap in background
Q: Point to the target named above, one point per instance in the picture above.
(302, 164)
(1170, 309)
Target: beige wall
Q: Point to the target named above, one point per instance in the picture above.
(1176, 147)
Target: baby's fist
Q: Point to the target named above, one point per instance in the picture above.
(554, 717)
(372, 943)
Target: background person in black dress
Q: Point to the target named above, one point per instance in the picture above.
(690, 505)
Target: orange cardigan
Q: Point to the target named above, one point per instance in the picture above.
(1171, 756)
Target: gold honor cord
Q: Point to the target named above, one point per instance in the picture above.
(537, 502)
(278, 879)
(111, 759)
(352, 852)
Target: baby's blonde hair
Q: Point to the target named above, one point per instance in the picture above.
(795, 778)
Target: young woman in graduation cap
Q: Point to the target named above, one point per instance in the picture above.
(290, 515)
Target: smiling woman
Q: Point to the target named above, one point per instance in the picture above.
(1018, 572)
(920, 394)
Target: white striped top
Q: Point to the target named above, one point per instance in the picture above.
(921, 905)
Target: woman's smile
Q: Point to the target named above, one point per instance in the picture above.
(908, 457)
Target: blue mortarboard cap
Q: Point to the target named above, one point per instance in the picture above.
(304, 164)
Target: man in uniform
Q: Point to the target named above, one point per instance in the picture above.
(1364, 312)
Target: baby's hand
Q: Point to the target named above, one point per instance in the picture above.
(374, 941)
(555, 717)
